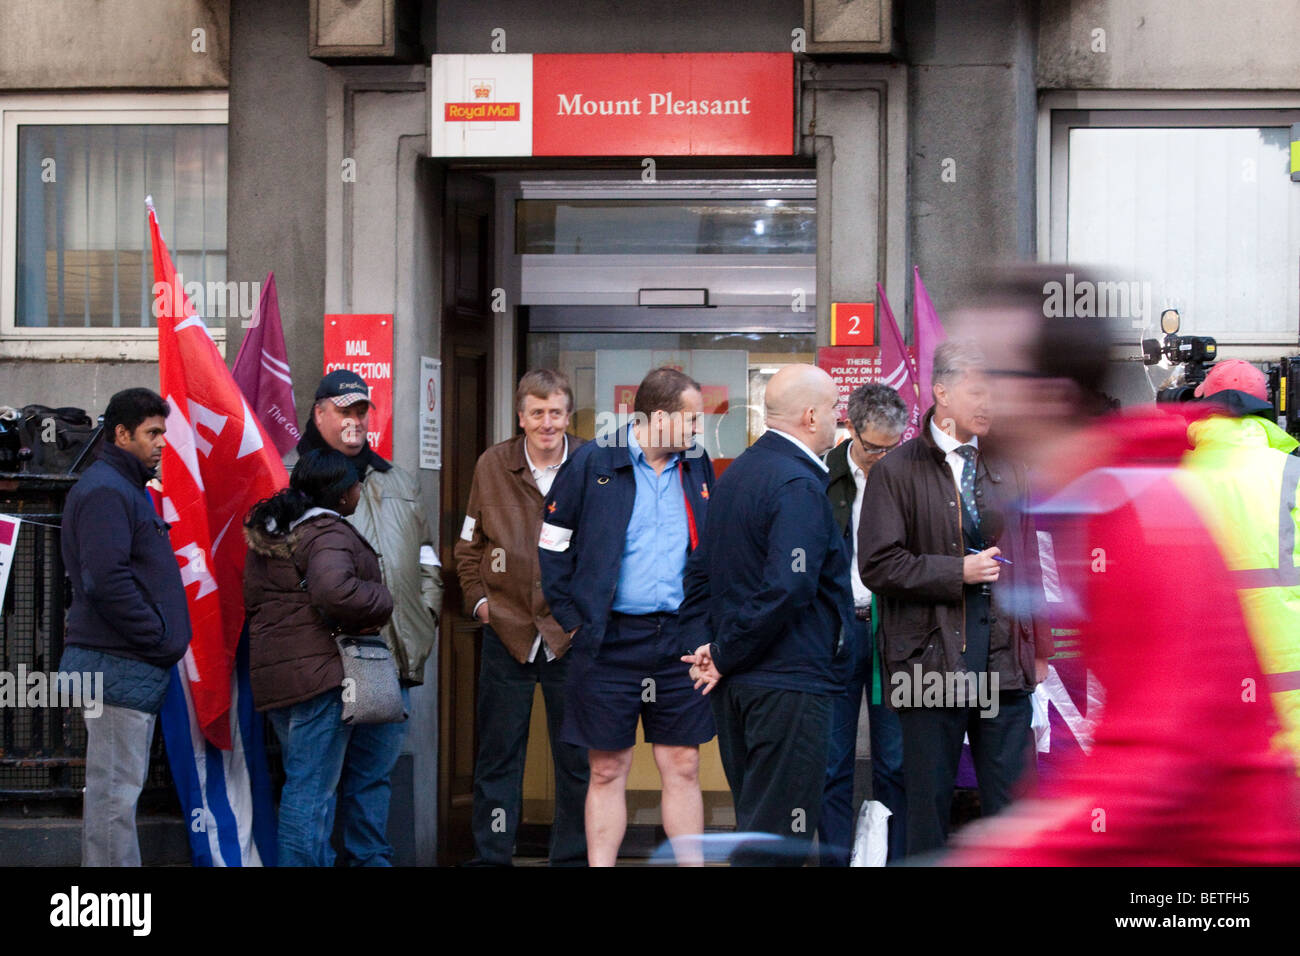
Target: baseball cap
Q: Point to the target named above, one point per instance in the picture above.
(343, 388)
(1237, 375)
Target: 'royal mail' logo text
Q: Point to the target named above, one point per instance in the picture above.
(480, 112)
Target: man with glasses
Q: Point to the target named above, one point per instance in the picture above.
(877, 418)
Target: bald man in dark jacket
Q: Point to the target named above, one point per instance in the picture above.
(767, 597)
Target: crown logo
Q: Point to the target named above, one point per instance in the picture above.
(482, 90)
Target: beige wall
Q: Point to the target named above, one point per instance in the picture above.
(108, 44)
(1170, 44)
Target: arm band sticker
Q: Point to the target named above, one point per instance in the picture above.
(555, 538)
(429, 556)
(467, 529)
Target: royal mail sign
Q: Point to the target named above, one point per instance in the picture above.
(606, 104)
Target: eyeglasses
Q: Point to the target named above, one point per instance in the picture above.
(875, 451)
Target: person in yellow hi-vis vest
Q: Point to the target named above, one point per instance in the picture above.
(1243, 479)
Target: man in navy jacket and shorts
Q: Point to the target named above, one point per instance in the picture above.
(621, 519)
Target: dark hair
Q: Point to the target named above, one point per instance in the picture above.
(320, 478)
(130, 407)
(1075, 349)
(661, 390)
(542, 383)
(879, 406)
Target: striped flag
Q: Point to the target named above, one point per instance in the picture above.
(226, 794)
(261, 371)
(927, 333)
(218, 462)
(898, 367)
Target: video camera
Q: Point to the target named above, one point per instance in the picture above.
(1284, 392)
(1195, 353)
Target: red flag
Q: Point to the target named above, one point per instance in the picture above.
(898, 367)
(217, 464)
(927, 333)
(261, 370)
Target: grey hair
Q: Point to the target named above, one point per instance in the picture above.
(953, 359)
(877, 406)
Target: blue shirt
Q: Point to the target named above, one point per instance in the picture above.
(657, 541)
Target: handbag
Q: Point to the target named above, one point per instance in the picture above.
(371, 692)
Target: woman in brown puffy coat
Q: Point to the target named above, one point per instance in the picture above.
(309, 575)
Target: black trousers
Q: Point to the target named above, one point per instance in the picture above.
(1002, 748)
(774, 745)
(505, 703)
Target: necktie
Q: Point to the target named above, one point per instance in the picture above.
(968, 452)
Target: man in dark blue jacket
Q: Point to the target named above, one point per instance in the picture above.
(621, 518)
(768, 601)
(128, 619)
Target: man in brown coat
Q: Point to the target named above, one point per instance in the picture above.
(523, 645)
(952, 562)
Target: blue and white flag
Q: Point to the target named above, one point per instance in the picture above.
(225, 794)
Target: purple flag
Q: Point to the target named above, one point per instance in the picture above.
(262, 372)
(927, 334)
(897, 367)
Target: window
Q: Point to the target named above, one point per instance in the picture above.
(666, 227)
(77, 264)
(1192, 208)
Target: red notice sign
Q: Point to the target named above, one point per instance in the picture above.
(850, 367)
(364, 344)
(715, 398)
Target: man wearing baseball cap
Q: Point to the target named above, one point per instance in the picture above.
(1243, 476)
(390, 516)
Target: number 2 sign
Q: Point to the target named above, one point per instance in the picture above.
(853, 323)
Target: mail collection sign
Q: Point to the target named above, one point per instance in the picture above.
(364, 344)
(612, 104)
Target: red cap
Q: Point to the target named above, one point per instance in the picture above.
(1234, 374)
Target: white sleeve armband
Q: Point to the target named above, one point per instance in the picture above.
(467, 529)
(429, 556)
(555, 538)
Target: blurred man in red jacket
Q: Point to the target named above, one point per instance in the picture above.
(1181, 771)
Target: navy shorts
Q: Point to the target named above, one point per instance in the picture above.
(637, 672)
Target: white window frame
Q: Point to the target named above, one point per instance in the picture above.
(210, 107)
(1176, 109)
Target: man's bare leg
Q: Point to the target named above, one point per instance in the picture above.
(683, 804)
(607, 804)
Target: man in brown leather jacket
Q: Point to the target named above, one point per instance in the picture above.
(947, 519)
(523, 645)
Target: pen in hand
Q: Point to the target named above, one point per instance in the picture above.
(995, 557)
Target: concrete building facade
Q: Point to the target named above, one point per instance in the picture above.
(938, 135)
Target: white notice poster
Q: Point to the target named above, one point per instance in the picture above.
(430, 413)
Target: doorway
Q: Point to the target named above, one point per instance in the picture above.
(467, 357)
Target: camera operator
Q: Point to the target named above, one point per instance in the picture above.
(1243, 477)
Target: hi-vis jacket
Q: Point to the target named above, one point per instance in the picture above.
(1243, 481)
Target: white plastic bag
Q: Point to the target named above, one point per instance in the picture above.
(871, 838)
